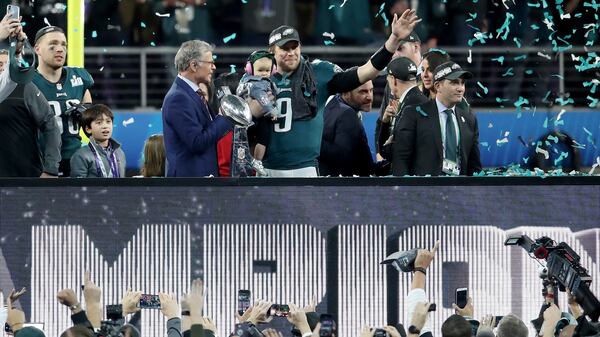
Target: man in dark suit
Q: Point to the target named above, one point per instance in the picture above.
(402, 81)
(344, 148)
(437, 137)
(191, 129)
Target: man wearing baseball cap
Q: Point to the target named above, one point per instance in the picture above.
(437, 137)
(295, 140)
(402, 81)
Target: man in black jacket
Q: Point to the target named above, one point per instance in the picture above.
(438, 137)
(402, 81)
(344, 148)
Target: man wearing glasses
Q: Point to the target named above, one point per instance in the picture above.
(191, 129)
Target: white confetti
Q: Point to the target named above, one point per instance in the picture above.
(329, 35)
(560, 114)
(166, 15)
(128, 121)
(470, 57)
(574, 58)
(596, 164)
(565, 16)
(501, 141)
(542, 151)
(506, 133)
(546, 56)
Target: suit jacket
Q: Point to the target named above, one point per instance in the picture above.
(413, 97)
(344, 149)
(417, 148)
(190, 133)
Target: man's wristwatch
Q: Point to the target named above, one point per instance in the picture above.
(414, 330)
(75, 306)
(421, 269)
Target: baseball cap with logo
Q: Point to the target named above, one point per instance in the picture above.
(450, 71)
(282, 35)
(403, 69)
(47, 30)
(413, 37)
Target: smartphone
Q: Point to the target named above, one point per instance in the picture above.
(379, 332)
(243, 301)
(462, 295)
(498, 318)
(280, 310)
(327, 325)
(148, 301)
(13, 11)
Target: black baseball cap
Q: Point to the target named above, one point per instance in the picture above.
(450, 71)
(47, 30)
(403, 69)
(412, 37)
(282, 35)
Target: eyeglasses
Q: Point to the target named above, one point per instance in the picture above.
(212, 63)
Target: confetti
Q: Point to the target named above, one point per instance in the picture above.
(485, 89)
(505, 27)
(508, 72)
(562, 156)
(521, 57)
(329, 35)
(525, 160)
(500, 59)
(101, 68)
(546, 56)
(232, 67)
(470, 57)
(142, 24)
(596, 164)
(244, 1)
(166, 15)
(553, 138)
(330, 7)
(500, 142)
(94, 34)
(385, 19)
(593, 102)
(517, 42)
(229, 38)
(329, 43)
(419, 110)
(563, 101)
(128, 121)
(542, 151)
(545, 125)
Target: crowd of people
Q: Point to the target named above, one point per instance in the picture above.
(185, 318)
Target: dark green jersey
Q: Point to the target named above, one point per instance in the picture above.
(295, 144)
(68, 91)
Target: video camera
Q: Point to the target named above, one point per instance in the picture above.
(75, 112)
(563, 265)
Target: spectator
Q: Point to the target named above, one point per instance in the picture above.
(25, 113)
(344, 149)
(103, 156)
(456, 326)
(431, 60)
(402, 81)
(336, 20)
(511, 326)
(63, 86)
(154, 157)
(448, 136)
(191, 130)
(188, 19)
(410, 47)
(417, 293)
(170, 309)
(295, 139)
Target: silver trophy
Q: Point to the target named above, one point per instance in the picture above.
(237, 110)
(242, 162)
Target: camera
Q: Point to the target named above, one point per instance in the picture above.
(563, 266)
(402, 261)
(379, 332)
(75, 112)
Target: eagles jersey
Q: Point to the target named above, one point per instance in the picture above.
(68, 91)
(295, 144)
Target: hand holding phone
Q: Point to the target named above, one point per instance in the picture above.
(148, 301)
(462, 297)
(280, 310)
(13, 12)
(243, 301)
(327, 325)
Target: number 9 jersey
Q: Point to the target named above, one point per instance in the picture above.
(68, 91)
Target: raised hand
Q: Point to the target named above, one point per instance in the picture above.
(402, 26)
(168, 305)
(130, 302)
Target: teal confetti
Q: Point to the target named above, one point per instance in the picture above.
(329, 43)
(589, 137)
(473, 16)
(536, 5)
(563, 101)
(517, 42)
(484, 144)
(563, 155)
(380, 10)
(23, 23)
(153, 44)
(419, 110)
(534, 27)
(385, 19)
(94, 34)
(593, 83)
(437, 50)
(229, 38)
(244, 1)
(593, 102)
(521, 101)
(528, 71)
(592, 4)
(142, 24)
(525, 160)
(331, 7)
(485, 89)
(500, 60)
(557, 75)
(521, 57)
(500, 100)
(545, 123)
(232, 67)
(505, 27)
(508, 73)
(547, 95)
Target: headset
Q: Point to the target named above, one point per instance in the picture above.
(258, 55)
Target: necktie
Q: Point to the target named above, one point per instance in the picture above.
(451, 144)
(204, 103)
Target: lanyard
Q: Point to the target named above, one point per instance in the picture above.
(112, 162)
